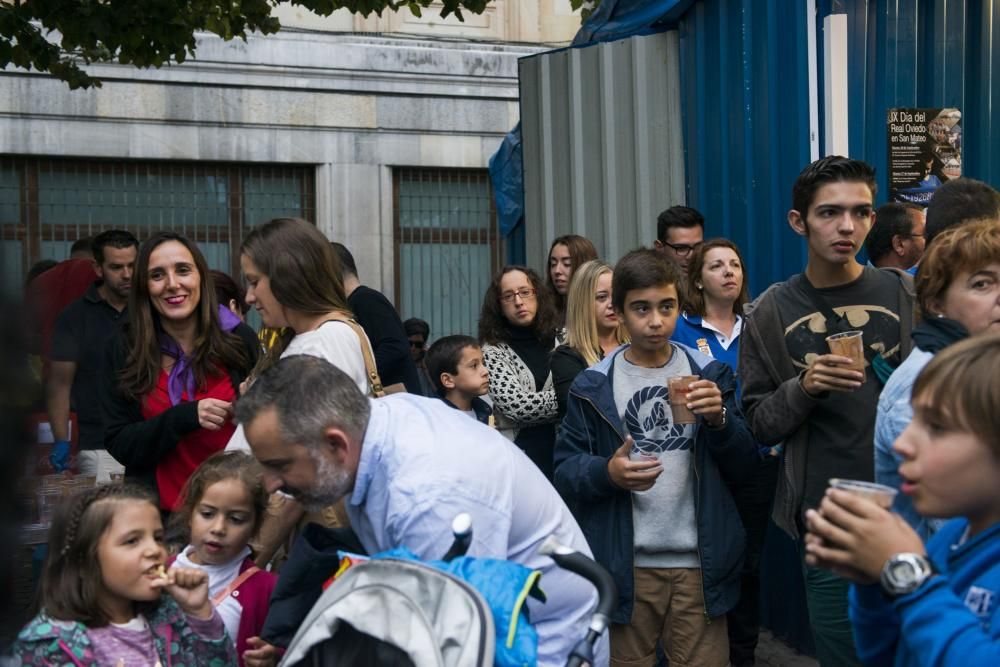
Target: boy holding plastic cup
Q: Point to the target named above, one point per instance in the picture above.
(642, 463)
(915, 604)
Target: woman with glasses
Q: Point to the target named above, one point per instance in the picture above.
(517, 330)
(592, 327)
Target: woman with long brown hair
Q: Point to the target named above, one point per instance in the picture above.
(566, 254)
(294, 281)
(517, 327)
(170, 379)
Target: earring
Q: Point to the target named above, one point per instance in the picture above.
(699, 286)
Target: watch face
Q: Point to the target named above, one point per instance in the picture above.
(902, 573)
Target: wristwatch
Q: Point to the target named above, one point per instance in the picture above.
(722, 422)
(904, 573)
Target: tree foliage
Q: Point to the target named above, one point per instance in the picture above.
(60, 36)
(589, 7)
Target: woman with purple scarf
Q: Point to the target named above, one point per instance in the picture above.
(170, 380)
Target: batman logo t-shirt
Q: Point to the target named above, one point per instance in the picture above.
(841, 426)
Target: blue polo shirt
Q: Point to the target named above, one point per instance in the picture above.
(708, 340)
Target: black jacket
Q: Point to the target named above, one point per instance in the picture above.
(139, 443)
(590, 434)
(567, 363)
(481, 408)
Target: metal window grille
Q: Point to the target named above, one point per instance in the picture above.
(446, 246)
(47, 204)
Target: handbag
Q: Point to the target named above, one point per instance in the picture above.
(374, 381)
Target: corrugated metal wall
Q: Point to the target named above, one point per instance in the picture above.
(601, 127)
(925, 54)
(745, 81)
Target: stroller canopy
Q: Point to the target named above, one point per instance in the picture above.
(383, 609)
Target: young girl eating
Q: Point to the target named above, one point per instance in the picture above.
(221, 510)
(102, 592)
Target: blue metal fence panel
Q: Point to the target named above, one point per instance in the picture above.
(745, 89)
(924, 54)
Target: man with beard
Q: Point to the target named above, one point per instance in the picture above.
(78, 340)
(406, 466)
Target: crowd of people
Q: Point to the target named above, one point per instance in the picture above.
(647, 413)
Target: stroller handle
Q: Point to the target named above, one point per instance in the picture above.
(607, 594)
(461, 528)
(576, 562)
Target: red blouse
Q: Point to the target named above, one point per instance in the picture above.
(176, 467)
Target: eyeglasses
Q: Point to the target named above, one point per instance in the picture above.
(682, 249)
(523, 294)
(417, 343)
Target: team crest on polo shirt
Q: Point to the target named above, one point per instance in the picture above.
(703, 347)
(980, 602)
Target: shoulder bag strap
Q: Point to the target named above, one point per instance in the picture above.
(234, 584)
(378, 391)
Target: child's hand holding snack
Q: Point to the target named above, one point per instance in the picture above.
(189, 587)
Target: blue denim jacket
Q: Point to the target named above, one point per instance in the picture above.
(893, 414)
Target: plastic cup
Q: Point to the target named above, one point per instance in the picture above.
(880, 494)
(849, 344)
(48, 498)
(679, 387)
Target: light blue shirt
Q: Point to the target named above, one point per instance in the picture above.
(423, 462)
(893, 414)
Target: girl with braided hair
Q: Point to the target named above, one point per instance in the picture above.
(102, 591)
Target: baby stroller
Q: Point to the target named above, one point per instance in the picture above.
(405, 613)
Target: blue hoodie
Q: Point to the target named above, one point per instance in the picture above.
(952, 619)
(590, 434)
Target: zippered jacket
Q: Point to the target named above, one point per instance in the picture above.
(47, 641)
(951, 620)
(591, 433)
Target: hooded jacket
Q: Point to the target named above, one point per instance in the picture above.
(47, 641)
(953, 619)
(591, 433)
(777, 407)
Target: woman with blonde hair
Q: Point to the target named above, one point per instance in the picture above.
(592, 327)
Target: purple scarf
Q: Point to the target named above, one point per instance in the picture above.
(181, 376)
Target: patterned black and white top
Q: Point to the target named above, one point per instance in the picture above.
(516, 403)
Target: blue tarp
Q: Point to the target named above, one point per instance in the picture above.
(613, 20)
(619, 19)
(507, 176)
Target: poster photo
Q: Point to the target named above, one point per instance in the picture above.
(925, 150)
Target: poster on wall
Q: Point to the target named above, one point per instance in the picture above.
(925, 150)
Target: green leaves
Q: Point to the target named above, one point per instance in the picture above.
(58, 36)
